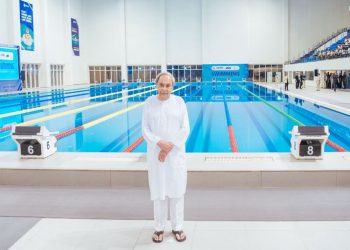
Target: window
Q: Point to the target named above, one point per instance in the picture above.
(31, 75)
(265, 73)
(186, 73)
(56, 74)
(143, 73)
(107, 73)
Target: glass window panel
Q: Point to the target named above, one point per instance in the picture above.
(198, 75)
(250, 74)
(147, 77)
(256, 76)
(262, 76)
(97, 76)
(187, 75)
(103, 76)
(181, 75)
(193, 75)
(176, 75)
(113, 76)
(108, 75)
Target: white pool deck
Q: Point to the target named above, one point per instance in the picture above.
(68, 234)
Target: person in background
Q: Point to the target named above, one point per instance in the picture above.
(297, 81)
(302, 78)
(340, 80)
(344, 80)
(286, 82)
(328, 80)
(334, 80)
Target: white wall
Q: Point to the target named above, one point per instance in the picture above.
(104, 31)
(4, 21)
(312, 21)
(243, 31)
(145, 32)
(56, 27)
(184, 32)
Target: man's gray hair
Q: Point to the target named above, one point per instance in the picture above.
(165, 74)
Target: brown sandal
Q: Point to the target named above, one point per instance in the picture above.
(158, 233)
(179, 233)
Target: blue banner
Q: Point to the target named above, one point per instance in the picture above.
(75, 37)
(9, 69)
(27, 25)
(224, 72)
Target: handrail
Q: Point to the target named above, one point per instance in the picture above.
(319, 45)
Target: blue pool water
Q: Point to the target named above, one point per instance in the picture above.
(257, 126)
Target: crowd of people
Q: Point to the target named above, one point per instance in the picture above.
(329, 80)
(334, 80)
(342, 50)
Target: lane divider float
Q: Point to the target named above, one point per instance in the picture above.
(64, 103)
(72, 111)
(138, 142)
(104, 118)
(329, 142)
(231, 133)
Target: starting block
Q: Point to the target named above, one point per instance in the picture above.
(308, 142)
(34, 141)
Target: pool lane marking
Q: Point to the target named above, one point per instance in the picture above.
(5, 128)
(105, 118)
(56, 115)
(231, 133)
(53, 99)
(64, 103)
(97, 121)
(138, 142)
(39, 97)
(329, 142)
(134, 145)
(13, 95)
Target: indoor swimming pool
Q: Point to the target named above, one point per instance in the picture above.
(224, 117)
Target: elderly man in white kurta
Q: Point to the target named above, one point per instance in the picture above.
(165, 128)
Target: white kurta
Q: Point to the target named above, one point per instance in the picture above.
(166, 120)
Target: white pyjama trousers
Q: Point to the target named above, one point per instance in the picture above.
(176, 213)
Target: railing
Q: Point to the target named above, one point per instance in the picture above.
(325, 43)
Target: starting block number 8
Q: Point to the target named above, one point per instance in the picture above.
(310, 150)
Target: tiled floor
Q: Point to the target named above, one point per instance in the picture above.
(69, 234)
